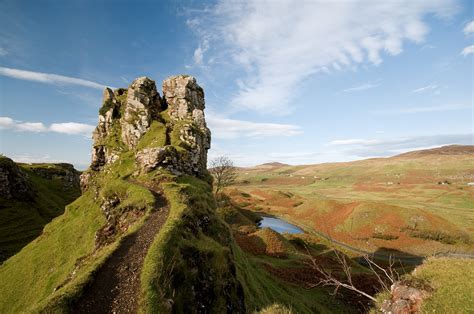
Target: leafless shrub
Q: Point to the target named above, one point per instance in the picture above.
(224, 173)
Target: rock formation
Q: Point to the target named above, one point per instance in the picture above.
(14, 183)
(128, 114)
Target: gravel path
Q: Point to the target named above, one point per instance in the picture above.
(115, 289)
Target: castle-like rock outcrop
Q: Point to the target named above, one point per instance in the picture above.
(179, 138)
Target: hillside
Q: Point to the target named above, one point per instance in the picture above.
(31, 195)
(418, 203)
(145, 235)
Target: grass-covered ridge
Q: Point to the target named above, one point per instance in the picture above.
(191, 257)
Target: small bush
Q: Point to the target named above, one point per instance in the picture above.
(383, 236)
(438, 236)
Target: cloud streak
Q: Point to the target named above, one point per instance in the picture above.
(225, 128)
(71, 128)
(392, 146)
(48, 78)
(361, 87)
(277, 59)
(425, 88)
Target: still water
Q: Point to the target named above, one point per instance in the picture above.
(279, 225)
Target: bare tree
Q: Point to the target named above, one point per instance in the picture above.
(223, 171)
(385, 276)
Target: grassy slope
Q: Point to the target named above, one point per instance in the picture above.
(450, 282)
(189, 261)
(359, 199)
(22, 221)
(264, 291)
(69, 240)
(453, 284)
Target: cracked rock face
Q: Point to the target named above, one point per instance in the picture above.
(127, 115)
(183, 96)
(143, 103)
(14, 182)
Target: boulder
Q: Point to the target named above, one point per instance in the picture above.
(405, 299)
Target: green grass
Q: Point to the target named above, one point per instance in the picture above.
(154, 137)
(262, 290)
(184, 253)
(31, 276)
(453, 284)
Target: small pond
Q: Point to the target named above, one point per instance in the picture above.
(279, 225)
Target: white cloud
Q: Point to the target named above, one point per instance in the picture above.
(323, 37)
(468, 50)
(425, 88)
(413, 110)
(361, 87)
(392, 146)
(225, 128)
(31, 127)
(71, 128)
(48, 78)
(469, 28)
(6, 123)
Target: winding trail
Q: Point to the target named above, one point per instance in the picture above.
(116, 287)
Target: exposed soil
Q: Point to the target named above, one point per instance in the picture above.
(115, 289)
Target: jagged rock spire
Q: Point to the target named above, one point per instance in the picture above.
(127, 115)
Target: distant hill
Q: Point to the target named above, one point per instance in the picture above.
(443, 150)
(30, 196)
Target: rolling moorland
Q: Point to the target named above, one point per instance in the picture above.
(148, 235)
(419, 203)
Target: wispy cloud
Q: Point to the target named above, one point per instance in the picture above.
(3, 52)
(48, 78)
(469, 28)
(413, 110)
(71, 128)
(254, 36)
(362, 87)
(468, 50)
(425, 88)
(199, 53)
(225, 128)
(392, 146)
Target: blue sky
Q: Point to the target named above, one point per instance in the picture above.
(289, 81)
